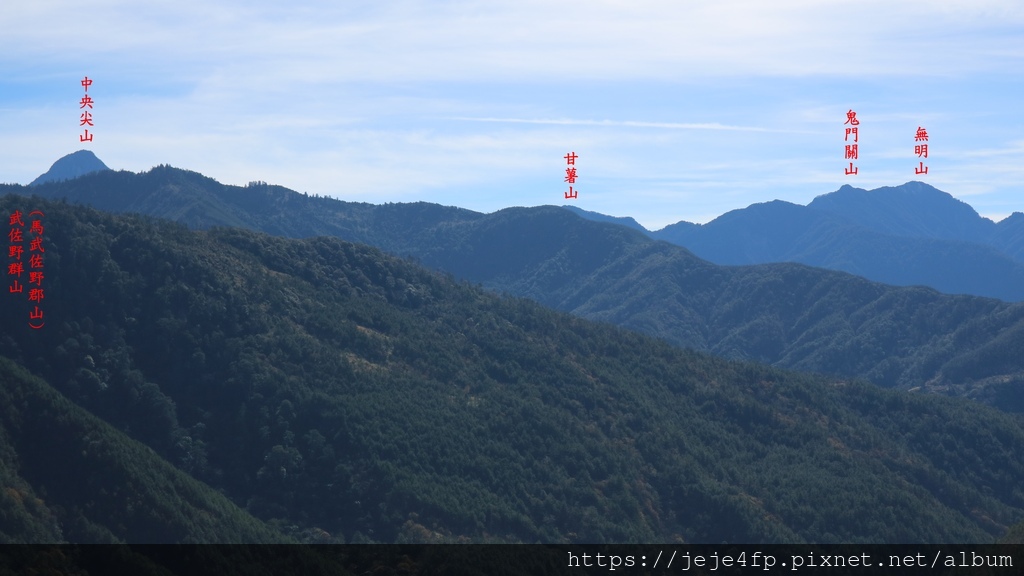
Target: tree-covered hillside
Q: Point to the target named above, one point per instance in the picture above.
(789, 315)
(782, 314)
(341, 394)
(67, 476)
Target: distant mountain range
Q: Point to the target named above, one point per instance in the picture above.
(71, 166)
(788, 315)
(909, 235)
(906, 235)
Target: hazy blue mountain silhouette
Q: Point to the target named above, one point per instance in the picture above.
(765, 232)
(627, 221)
(913, 209)
(1009, 236)
(906, 235)
(71, 166)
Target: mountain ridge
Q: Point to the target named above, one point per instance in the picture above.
(912, 209)
(787, 315)
(913, 234)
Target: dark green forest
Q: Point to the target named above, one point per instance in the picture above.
(787, 315)
(68, 476)
(339, 394)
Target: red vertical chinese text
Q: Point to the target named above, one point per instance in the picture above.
(85, 105)
(570, 174)
(15, 253)
(921, 150)
(36, 251)
(852, 139)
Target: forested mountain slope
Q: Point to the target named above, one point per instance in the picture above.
(66, 476)
(348, 395)
(783, 314)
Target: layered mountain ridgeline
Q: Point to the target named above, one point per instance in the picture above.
(67, 476)
(783, 314)
(621, 220)
(347, 395)
(905, 235)
(912, 210)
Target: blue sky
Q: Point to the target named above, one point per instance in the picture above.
(678, 110)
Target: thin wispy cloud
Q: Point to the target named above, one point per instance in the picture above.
(1015, 148)
(504, 40)
(621, 123)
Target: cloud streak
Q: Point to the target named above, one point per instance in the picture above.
(321, 42)
(622, 124)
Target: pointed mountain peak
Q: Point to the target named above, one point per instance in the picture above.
(72, 166)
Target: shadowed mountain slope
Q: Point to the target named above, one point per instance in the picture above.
(67, 476)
